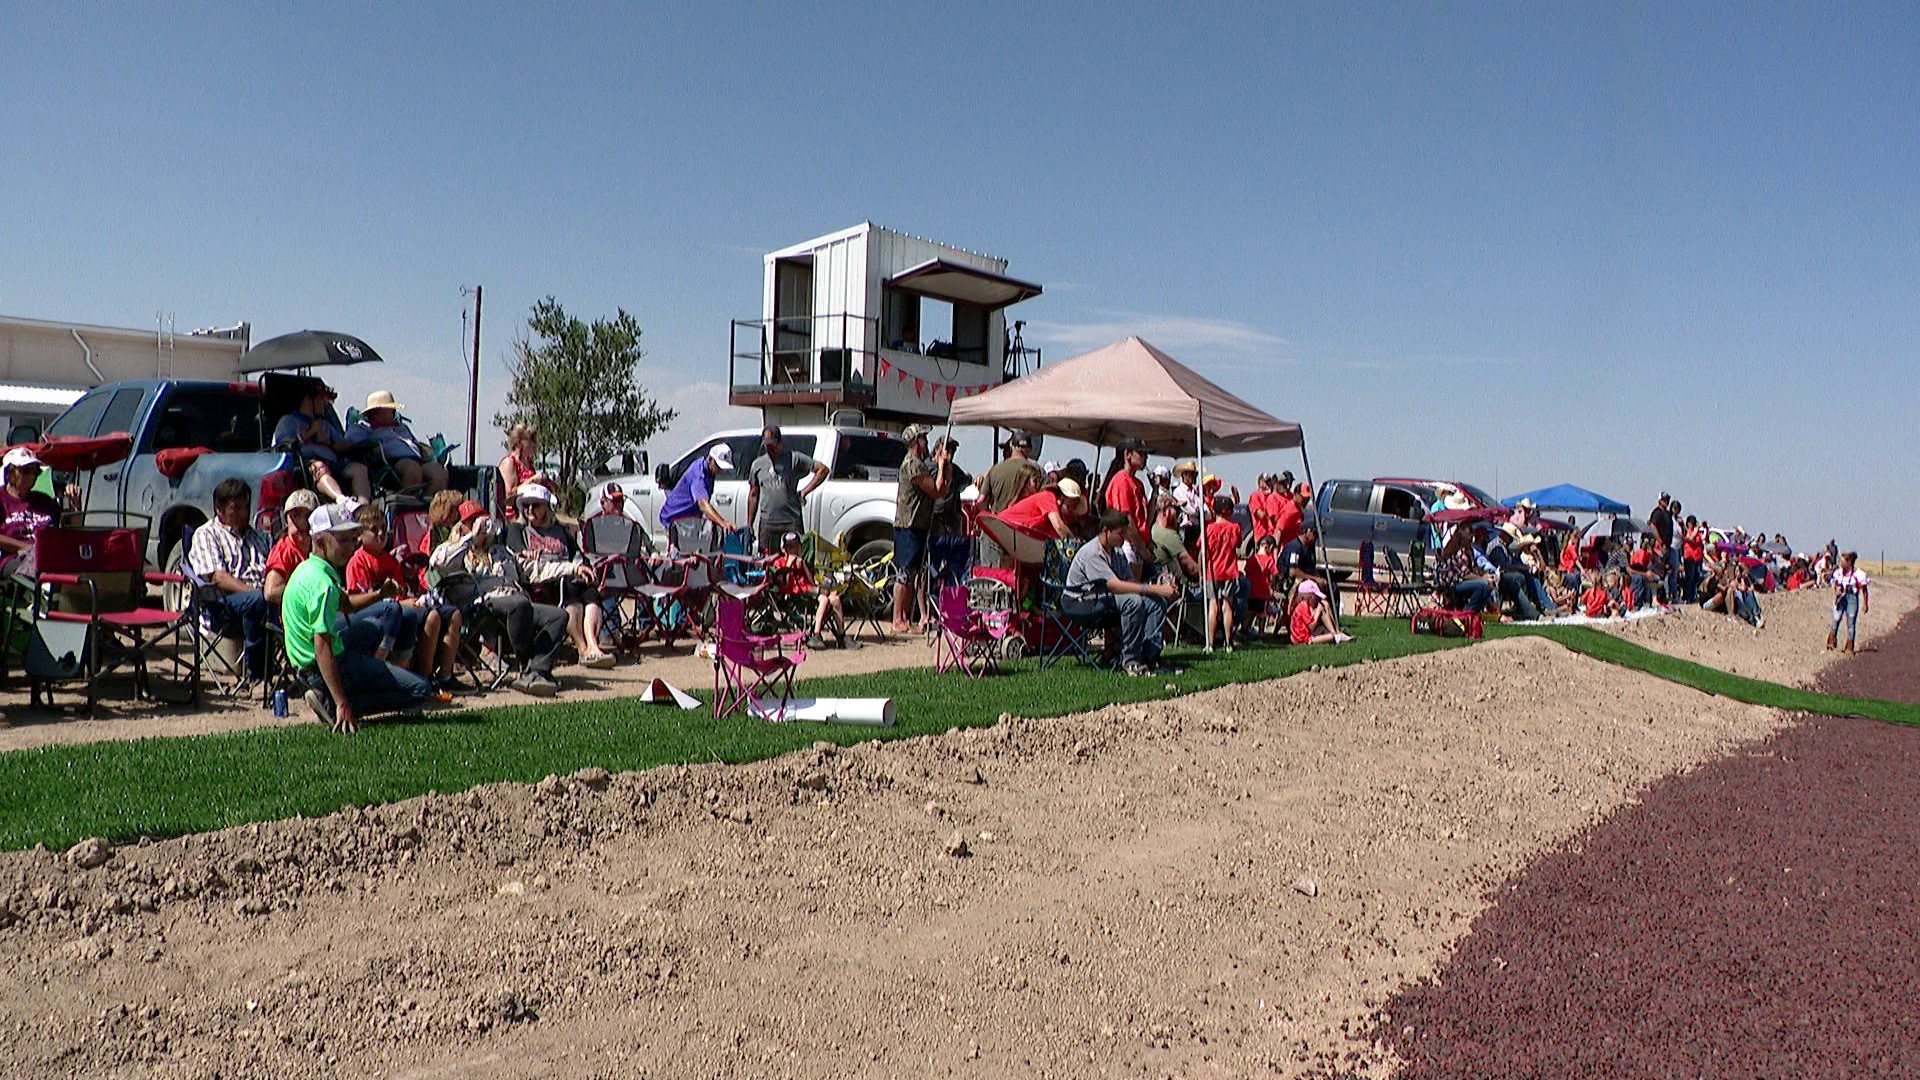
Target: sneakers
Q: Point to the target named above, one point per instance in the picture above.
(534, 684)
(442, 697)
(598, 661)
(1342, 639)
(319, 706)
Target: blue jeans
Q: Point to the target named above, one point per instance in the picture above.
(1642, 592)
(1690, 577)
(386, 621)
(1747, 606)
(1141, 618)
(1847, 608)
(1474, 594)
(1674, 571)
(1515, 586)
(250, 610)
(1542, 599)
(373, 686)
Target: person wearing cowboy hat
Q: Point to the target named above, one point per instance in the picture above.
(1186, 494)
(1517, 586)
(380, 426)
(322, 442)
(923, 479)
(688, 514)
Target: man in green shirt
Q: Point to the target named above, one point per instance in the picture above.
(342, 683)
(921, 482)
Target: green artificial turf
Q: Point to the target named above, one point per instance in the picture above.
(1614, 649)
(167, 787)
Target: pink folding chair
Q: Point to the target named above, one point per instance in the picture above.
(964, 639)
(748, 666)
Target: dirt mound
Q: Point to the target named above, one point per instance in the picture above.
(1227, 882)
(1790, 649)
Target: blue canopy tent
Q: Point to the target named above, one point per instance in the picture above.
(1569, 497)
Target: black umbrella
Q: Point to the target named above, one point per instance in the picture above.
(308, 349)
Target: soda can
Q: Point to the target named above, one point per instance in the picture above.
(280, 703)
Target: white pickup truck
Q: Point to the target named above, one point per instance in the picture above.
(853, 508)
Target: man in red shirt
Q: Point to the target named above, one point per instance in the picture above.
(1125, 494)
(1288, 515)
(1263, 506)
(292, 548)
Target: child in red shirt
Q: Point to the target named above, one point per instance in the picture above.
(1596, 602)
(374, 569)
(1262, 566)
(1222, 569)
(1312, 619)
(793, 576)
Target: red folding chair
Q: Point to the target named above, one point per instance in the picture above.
(96, 579)
(1371, 596)
(747, 666)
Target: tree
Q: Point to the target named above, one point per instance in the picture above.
(578, 384)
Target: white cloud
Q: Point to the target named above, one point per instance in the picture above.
(1173, 333)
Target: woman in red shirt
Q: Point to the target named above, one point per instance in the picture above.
(1693, 552)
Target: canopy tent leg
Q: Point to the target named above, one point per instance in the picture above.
(1200, 459)
(1314, 499)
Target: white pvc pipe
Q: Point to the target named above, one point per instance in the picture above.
(99, 379)
(866, 712)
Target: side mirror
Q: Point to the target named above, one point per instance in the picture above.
(660, 477)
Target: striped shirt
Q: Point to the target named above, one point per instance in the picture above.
(242, 554)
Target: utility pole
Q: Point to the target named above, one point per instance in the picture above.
(473, 384)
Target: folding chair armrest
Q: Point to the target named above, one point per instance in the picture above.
(166, 579)
(49, 578)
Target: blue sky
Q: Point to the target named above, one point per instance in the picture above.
(1635, 247)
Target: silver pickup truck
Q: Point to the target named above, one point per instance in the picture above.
(854, 507)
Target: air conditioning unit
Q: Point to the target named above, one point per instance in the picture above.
(852, 418)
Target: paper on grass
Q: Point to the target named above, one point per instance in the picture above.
(660, 692)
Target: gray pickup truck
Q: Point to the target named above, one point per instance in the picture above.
(1390, 512)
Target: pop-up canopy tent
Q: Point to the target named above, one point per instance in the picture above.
(1132, 390)
(1569, 497)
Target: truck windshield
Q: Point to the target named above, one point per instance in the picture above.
(868, 457)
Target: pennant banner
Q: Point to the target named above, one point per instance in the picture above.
(950, 395)
(918, 386)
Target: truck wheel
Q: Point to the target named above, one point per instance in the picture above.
(174, 594)
(872, 551)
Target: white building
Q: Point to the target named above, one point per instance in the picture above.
(46, 366)
(871, 320)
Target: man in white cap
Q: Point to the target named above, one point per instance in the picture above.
(380, 425)
(342, 684)
(688, 514)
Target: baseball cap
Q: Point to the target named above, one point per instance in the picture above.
(532, 493)
(721, 456)
(470, 510)
(790, 538)
(1051, 466)
(21, 457)
(332, 519)
(303, 499)
(915, 431)
(1130, 444)
(1303, 491)
(950, 442)
(1162, 471)
(1310, 588)
(1068, 488)
(613, 491)
(1020, 439)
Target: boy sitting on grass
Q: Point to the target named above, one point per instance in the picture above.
(1312, 620)
(373, 569)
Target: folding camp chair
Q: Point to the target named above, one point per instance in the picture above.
(217, 641)
(747, 666)
(949, 562)
(1371, 596)
(869, 594)
(1407, 590)
(966, 640)
(1066, 632)
(618, 548)
(92, 616)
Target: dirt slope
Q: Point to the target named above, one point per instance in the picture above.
(1790, 649)
(1219, 885)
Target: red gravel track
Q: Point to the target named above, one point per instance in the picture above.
(1759, 917)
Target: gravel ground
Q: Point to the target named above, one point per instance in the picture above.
(1791, 649)
(1220, 885)
(1753, 918)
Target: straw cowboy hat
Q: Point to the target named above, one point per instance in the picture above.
(382, 399)
(1455, 499)
(1187, 468)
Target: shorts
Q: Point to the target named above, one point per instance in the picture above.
(909, 550)
(1224, 591)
